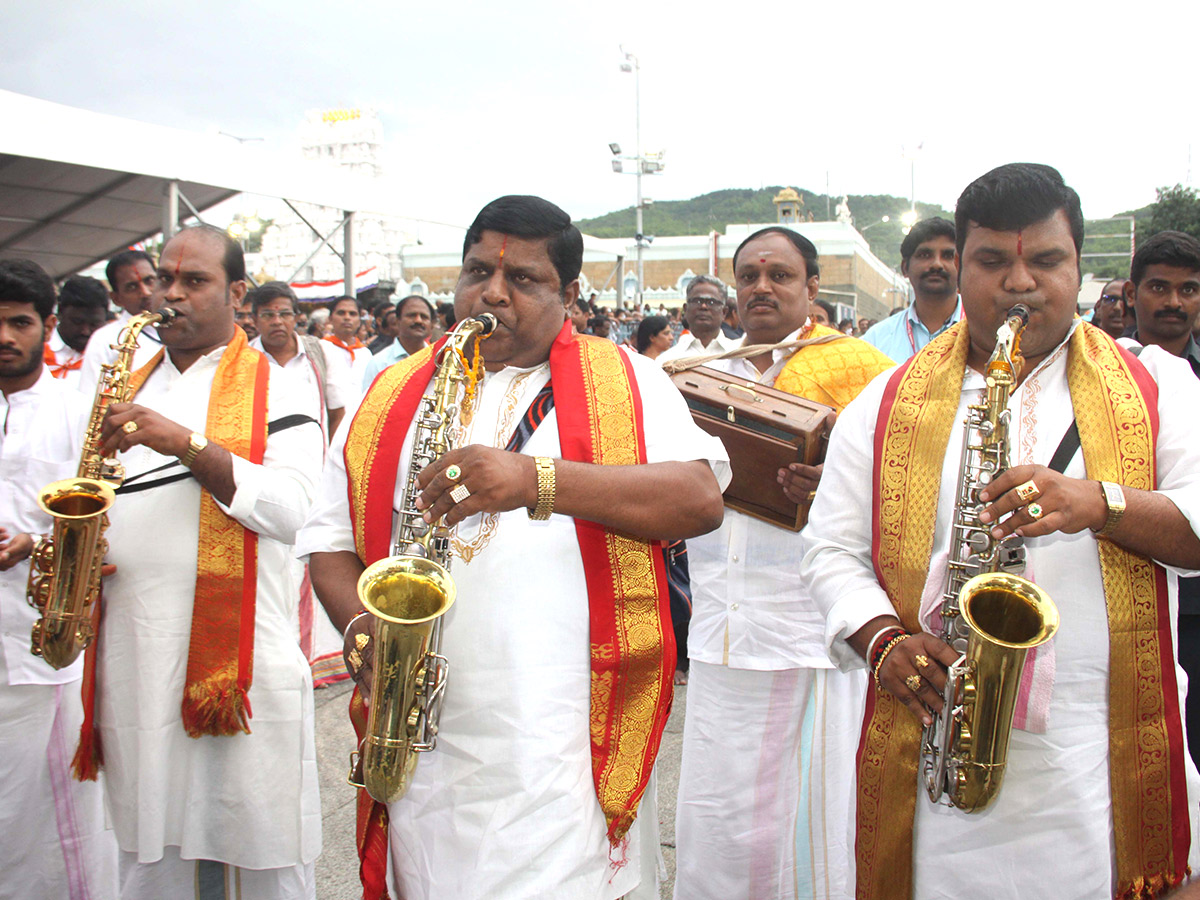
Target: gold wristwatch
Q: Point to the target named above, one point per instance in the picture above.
(546, 487)
(196, 443)
(1114, 497)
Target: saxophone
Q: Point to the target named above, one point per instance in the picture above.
(410, 591)
(64, 570)
(991, 616)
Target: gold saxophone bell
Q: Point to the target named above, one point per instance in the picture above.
(61, 588)
(1007, 616)
(408, 596)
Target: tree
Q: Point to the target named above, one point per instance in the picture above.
(1176, 209)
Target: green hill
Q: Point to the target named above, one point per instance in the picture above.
(715, 210)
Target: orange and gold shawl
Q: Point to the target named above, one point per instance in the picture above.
(632, 645)
(220, 663)
(1116, 407)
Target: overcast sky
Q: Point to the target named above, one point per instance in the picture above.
(480, 99)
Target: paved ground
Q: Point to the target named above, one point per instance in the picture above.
(337, 867)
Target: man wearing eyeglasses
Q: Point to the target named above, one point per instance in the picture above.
(274, 308)
(705, 310)
(1109, 314)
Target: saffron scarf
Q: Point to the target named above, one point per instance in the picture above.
(57, 369)
(1116, 406)
(221, 651)
(349, 348)
(633, 650)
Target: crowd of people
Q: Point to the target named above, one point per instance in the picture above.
(273, 451)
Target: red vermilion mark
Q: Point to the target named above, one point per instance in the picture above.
(503, 247)
(1018, 242)
(762, 259)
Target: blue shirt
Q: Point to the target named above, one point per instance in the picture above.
(392, 353)
(901, 336)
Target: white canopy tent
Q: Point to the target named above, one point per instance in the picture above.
(77, 187)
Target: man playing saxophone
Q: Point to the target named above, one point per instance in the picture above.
(202, 716)
(574, 462)
(1103, 486)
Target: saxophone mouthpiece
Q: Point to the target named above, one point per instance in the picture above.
(1020, 311)
(166, 316)
(489, 323)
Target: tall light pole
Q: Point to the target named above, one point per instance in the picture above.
(631, 65)
(644, 164)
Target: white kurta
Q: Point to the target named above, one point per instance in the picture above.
(1053, 814)
(250, 799)
(756, 828)
(506, 807)
(54, 840)
(320, 641)
(357, 359)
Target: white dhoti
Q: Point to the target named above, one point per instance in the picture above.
(53, 839)
(766, 785)
(738, 783)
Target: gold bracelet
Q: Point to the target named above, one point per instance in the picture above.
(891, 645)
(546, 486)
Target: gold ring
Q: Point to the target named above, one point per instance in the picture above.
(356, 661)
(812, 495)
(1027, 491)
(1035, 510)
(460, 493)
(361, 641)
(129, 427)
(913, 682)
(922, 660)
(453, 472)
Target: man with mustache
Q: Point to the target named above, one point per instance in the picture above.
(705, 308)
(1164, 291)
(1111, 312)
(755, 640)
(576, 463)
(927, 260)
(414, 324)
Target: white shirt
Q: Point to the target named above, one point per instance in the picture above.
(64, 355)
(358, 359)
(749, 610)
(100, 351)
(339, 392)
(690, 345)
(41, 440)
(250, 800)
(506, 806)
(1053, 813)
